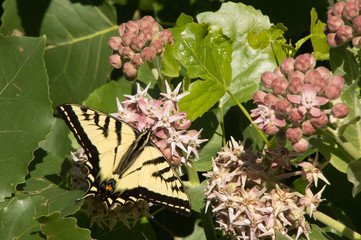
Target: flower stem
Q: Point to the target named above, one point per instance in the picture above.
(248, 116)
(222, 126)
(346, 146)
(192, 175)
(208, 226)
(336, 225)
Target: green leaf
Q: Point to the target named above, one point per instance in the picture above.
(24, 102)
(104, 98)
(183, 19)
(77, 33)
(236, 20)
(318, 39)
(44, 181)
(56, 227)
(318, 233)
(198, 232)
(343, 63)
(17, 218)
(354, 176)
(197, 196)
(206, 55)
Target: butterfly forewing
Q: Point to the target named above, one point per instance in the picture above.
(106, 141)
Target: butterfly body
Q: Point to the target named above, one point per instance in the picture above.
(124, 164)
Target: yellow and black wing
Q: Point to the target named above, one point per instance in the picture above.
(124, 164)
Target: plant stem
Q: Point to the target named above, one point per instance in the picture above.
(248, 116)
(346, 146)
(192, 175)
(222, 126)
(208, 226)
(336, 225)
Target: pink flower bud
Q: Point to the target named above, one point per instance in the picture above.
(333, 92)
(130, 71)
(296, 74)
(155, 27)
(279, 86)
(270, 129)
(137, 43)
(344, 33)
(157, 46)
(270, 100)
(137, 60)
(114, 43)
(295, 116)
(122, 29)
(337, 80)
(258, 97)
(182, 124)
(115, 61)
(127, 53)
(307, 128)
(320, 121)
(132, 27)
(267, 79)
(324, 72)
(302, 63)
(340, 110)
(320, 85)
(148, 54)
(356, 41)
(301, 145)
(146, 34)
(334, 23)
(287, 66)
(146, 21)
(338, 9)
(127, 38)
(295, 86)
(350, 10)
(312, 75)
(311, 59)
(166, 36)
(332, 40)
(357, 24)
(283, 106)
(294, 134)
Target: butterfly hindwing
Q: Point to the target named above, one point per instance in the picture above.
(121, 157)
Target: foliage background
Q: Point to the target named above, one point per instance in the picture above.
(64, 59)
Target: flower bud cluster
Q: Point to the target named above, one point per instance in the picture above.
(245, 207)
(296, 92)
(139, 41)
(344, 24)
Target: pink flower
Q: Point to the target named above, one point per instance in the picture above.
(139, 95)
(174, 96)
(311, 172)
(265, 116)
(309, 100)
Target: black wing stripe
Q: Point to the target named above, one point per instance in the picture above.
(176, 204)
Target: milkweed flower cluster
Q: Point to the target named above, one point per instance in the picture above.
(170, 134)
(248, 204)
(296, 92)
(169, 125)
(344, 24)
(138, 42)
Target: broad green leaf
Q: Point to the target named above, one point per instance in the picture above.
(57, 141)
(343, 63)
(24, 101)
(354, 176)
(77, 54)
(205, 55)
(318, 233)
(104, 98)
(17, 218)
(236, 20)
(44, 180)
(318, 39)
(198, 232)
(77, 33)
(56, 227)
(183, 19)
(197, 195)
